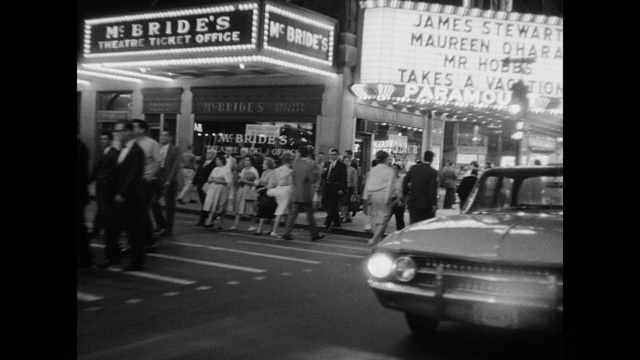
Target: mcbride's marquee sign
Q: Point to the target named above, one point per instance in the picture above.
(208, 29)
(300, 36)
(452, 55)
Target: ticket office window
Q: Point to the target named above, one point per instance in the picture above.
(268, 138)
(159, 122)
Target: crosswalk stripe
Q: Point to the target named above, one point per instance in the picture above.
(199, 262)
(208, 263)
(323, 243)
(305, 250)
(155, 277)
(87, 297)
(249, 253)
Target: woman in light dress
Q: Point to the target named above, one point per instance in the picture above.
(246, 196)
(266, 203)
(282, 191)
(378, 192)
(219, 182)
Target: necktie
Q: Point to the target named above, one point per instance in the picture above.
(331, 168)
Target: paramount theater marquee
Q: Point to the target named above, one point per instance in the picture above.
(159, 45)
(447, 57)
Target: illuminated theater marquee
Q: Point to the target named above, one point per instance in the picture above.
(221, 28)
(457, 58)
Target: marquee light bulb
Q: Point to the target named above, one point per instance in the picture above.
(514, 109)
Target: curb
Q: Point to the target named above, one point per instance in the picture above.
(336, 231)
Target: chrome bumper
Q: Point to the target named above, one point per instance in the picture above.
(454, 305)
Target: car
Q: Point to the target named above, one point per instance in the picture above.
(498, 263)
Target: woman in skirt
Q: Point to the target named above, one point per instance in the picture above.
(246, 195)
(219, 183)
(282, 191)
(266, 204)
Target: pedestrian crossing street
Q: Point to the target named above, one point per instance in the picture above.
(203, 260)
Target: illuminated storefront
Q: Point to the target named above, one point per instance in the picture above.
(457, 65)
(260, 75)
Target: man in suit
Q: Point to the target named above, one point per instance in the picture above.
(167, 185)
(201, 178)
(83, 253)
(103, 175)
(420, 187)
(151, 150)
(448, 178)
(335, 186)
(129, 196)
(304, 174)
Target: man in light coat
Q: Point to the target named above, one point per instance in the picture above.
(305, 173)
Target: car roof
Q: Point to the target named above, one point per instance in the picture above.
(543, 170)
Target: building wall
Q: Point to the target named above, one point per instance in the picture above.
(332, 129)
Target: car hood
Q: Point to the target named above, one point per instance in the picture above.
(511, 238)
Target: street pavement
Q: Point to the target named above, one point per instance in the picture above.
(355, 228)
(216, 294)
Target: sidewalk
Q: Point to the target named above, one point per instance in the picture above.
(356, 228)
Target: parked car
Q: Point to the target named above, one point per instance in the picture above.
(497, 263)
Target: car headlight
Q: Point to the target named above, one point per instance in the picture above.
(380, 265)
(405, 269)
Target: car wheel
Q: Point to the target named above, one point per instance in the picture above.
(421, 325)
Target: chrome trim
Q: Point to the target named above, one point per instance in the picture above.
(456, 295)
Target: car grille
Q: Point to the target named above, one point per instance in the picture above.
(490, 279)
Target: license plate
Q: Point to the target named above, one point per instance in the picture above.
(495, 316)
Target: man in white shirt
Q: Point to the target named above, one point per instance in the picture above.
(151, 151)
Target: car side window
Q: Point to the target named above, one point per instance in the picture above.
(506, 191)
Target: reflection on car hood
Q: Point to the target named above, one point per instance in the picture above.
(515, 238)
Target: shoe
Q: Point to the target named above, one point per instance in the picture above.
(200, 223)
(133, 267)
(126, 250)
(353, 213)
(180, 201)
(150, 249)
(274, 235)
(233, 228)
(208, 225)
(320, 236)
(327, 229)
(257, 233)
(347, 221)
(159, 231)
(337, 225)
(193, 201)
(283, 237)
(107, 264)
(253, 228)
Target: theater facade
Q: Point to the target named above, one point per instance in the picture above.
(260, 75)
(443, 75)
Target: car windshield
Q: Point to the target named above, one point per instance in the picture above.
(526, 192)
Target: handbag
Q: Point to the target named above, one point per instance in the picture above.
(251, 194)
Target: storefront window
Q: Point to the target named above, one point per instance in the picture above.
(469, 135)
(403, 144)
(112, 106)
(268, 138)
(159, 122)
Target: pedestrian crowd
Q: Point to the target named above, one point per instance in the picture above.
(134, 175)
